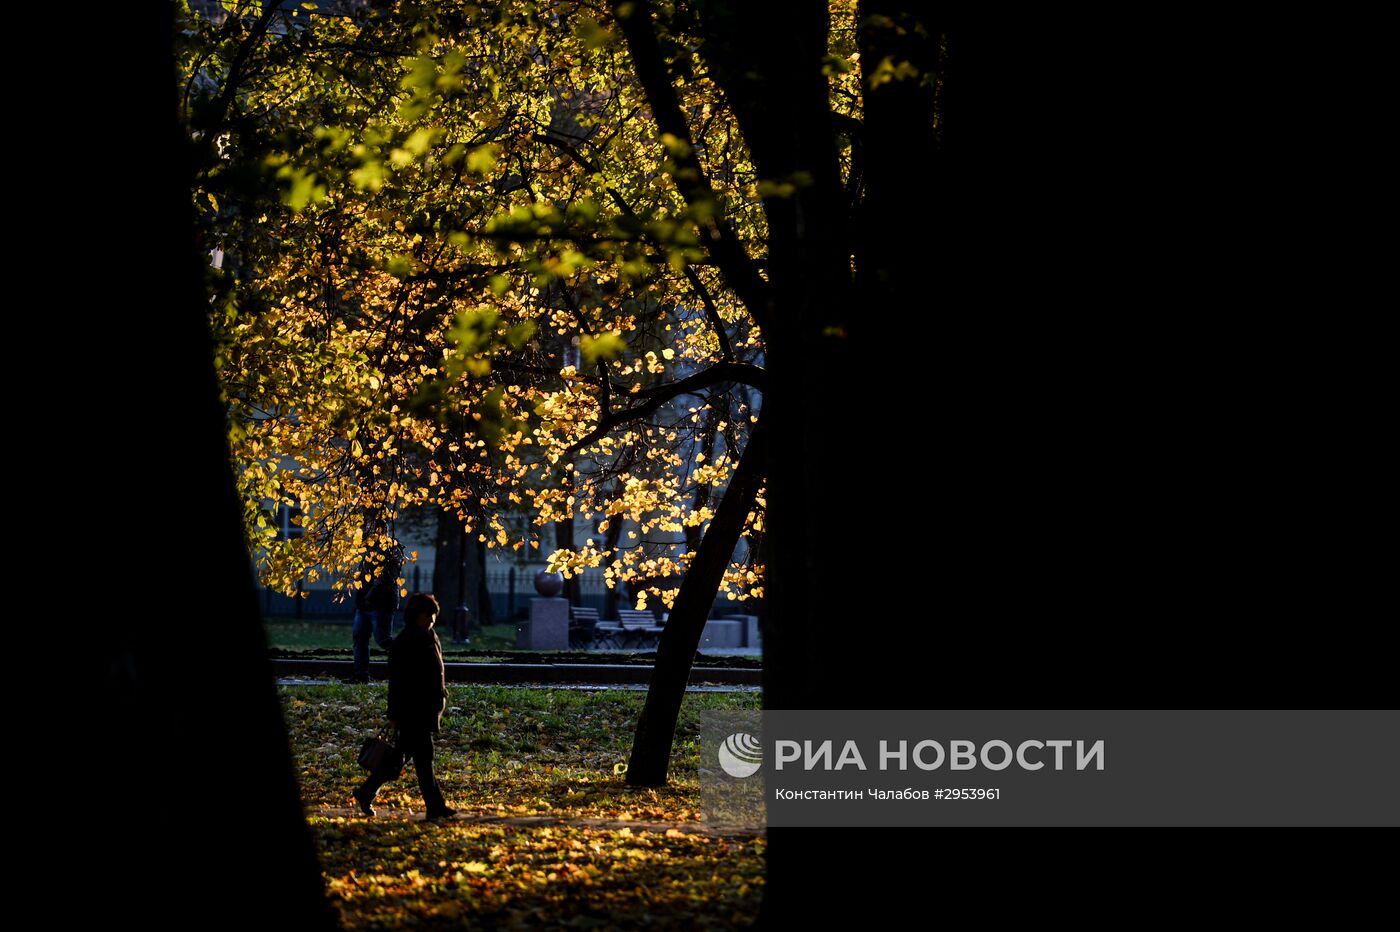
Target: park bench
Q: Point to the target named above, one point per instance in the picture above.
(588, 632)
(583, 627)
(639, 628)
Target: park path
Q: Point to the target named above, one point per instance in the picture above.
(484, 818)
(586, 687)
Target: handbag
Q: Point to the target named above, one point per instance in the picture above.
(378, 753)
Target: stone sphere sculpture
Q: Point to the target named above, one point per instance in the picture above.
(549, 584)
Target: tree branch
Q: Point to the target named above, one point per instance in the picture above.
(711, 312)
(240, 58)
(605, 383)
(657, 396)
(635, 18)
(708, 301)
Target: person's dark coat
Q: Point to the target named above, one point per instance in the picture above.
(417, 680)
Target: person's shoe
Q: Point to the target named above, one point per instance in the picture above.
(364, 802)
(438, 814)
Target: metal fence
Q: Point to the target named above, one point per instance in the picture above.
(511, 589)
(326, 605)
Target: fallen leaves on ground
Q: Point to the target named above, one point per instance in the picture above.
(396, 872)
(511, 753)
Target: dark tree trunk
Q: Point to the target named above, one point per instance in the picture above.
(656, 729)
(836, 357)
(941, 336)
(483, 611)
(459, 575)
(447, 568)
(610, 596)
(200, 782)
(473, 575)
(564, 540)
(816, 341)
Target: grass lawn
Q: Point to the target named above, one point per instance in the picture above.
(290, 634)
(509, 754)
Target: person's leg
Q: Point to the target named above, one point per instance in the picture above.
(365, 792)
(383, 629)
(433, 801)
(359, 638)
(378, 778)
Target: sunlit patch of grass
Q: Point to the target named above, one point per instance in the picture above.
(505, 751)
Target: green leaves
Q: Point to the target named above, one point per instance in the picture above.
(301, 187)
(370, 176)
(517, 336)
(472, 337)
(477, 334)
(603, 346)
(420, 139)
(784, 187)
(482, 159)
(332, 139)
(419, 74)
(676, 147)
(592, 34)
(889, 70)
(414, 147)
(837, 64)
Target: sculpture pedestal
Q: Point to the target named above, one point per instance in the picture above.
(722, 632)
(751, 635)
(547, 628)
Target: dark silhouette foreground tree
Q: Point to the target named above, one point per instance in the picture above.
(199, 813)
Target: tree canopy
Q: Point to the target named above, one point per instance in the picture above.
(455, 267)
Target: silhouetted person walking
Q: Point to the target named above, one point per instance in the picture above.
(417, 698)
(375, 602)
